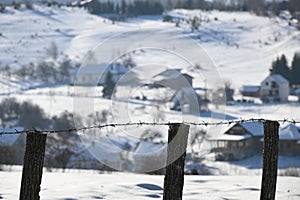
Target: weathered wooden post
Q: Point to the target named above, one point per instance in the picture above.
(270, 160)
(33, 166)
(176, 152)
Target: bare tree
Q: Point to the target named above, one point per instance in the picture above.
(52, 51)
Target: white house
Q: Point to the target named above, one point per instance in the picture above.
(275, 88)
(95, 74)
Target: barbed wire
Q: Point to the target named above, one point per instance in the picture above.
(141, 123)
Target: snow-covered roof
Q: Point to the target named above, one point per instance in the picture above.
(90, 69)
(289, 132)
(169, 74)
(254, 128)
(234, 137)
(278, 78)
(10, 139)
(250, 88)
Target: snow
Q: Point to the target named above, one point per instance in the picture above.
(90, 69)
(234, 137)
(250, 88)
(289, 132)
(277, 77)
(96, 185)
(240, 45)
(10, 139)
(255, 128)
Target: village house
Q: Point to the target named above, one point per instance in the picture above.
(173, 78)
(95, 74)
(242, 140)
(289, 140)
(250, 91)
(237, 141)
(275, 88)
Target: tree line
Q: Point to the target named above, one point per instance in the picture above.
(135, 8)
(291, 73)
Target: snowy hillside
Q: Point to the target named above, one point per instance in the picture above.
(241, 45)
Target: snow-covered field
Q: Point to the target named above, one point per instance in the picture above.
(95, 185)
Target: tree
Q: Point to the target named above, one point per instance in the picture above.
(294, 5)
(53, 50)
(45, 71)
(64, 70)
(256, 6)
(295, 70)
(32, 116)
(109, 86)
(62, 146)
(280, 66)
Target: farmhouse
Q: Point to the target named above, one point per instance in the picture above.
(173, 78)
(95, 74)
(275, 88)
(237, 141)
(242, 140)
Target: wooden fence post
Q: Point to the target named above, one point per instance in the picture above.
(33, 166)
(270, 160)
(176, 152)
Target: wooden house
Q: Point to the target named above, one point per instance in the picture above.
(242, 140)
(237, 141)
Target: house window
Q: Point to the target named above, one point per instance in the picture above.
(267, 83)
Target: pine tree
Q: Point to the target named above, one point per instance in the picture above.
(280, 66)
(109, 86)
(295, 71)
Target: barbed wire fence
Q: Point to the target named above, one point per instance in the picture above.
(176, 153)
(143, 123)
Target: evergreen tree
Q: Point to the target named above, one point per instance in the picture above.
(123, 7)
(109, 86)
(295, 71)
(280, 66)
